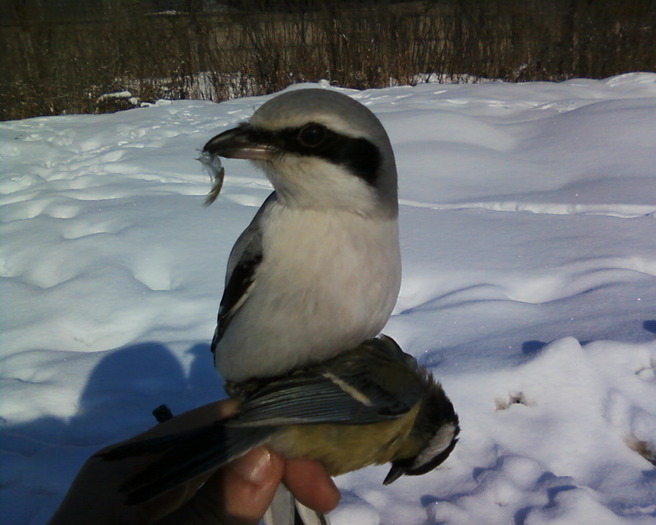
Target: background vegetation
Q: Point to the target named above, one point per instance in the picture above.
(65, 56)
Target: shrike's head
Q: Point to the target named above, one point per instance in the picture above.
(320, 149)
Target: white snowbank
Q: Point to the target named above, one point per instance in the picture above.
(528, 231)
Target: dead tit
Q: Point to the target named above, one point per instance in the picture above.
(367, 406)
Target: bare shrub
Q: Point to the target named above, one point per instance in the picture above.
(62, 60)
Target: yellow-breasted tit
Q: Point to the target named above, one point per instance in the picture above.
(370, 405)
(318, 269)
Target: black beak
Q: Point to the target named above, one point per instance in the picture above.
(395, 473)
(242, 142)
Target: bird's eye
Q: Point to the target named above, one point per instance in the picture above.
(311, 135)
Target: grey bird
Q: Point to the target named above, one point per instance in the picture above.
(318, 270)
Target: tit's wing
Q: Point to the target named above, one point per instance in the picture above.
(379, 370)
(183, 457)
(318, 396)
(301, 398)
(311, 396)
(244, 260)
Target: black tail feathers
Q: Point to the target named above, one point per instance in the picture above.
(183, 457)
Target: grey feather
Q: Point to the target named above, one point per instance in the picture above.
(342, 389)
(304, 400)
(286, 510)
(245, 258)
(187, 456)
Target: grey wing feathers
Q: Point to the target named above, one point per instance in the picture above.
(380, 371)
(318, 398)
(244, 260)
(184, 456)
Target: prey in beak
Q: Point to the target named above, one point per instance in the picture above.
(242, 142)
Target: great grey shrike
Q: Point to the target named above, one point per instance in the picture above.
(318, 270)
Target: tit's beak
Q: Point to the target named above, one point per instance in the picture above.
(395, 473)
(242, 142)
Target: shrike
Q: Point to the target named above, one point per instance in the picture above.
(318, 269)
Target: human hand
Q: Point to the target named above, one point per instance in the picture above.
(236, 494)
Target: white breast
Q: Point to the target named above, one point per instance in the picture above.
(328, 281)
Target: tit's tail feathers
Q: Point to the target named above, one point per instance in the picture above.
(307, 516)
(185, 456)
(285, 510)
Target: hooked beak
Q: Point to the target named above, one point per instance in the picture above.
(242, 142)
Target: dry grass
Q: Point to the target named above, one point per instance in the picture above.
(63, 62)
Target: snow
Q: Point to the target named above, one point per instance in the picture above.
(528, 216)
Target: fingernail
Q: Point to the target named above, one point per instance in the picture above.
(254, 467)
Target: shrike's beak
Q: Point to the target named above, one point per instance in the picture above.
(242, 142)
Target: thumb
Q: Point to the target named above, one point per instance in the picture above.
(249, 484)
(236, 494)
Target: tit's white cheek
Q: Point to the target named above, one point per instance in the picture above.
(437, 445)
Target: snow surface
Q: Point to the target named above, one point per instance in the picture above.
(528, 218)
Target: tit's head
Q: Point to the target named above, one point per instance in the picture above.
(432, 438)
(320, 149)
